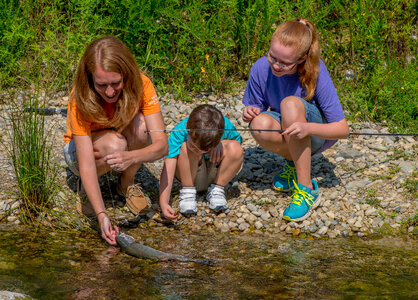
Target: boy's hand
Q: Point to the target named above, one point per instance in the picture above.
(169, 212)
(250, 112)
(216, 154)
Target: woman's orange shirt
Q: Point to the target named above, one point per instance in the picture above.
(79, 126)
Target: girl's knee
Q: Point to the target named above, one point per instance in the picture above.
(292, 104)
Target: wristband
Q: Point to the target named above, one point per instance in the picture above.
(101, 212)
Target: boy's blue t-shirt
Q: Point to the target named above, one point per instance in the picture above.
(177, 138)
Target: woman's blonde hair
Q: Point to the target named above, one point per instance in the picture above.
(113, 56)
(301, 35)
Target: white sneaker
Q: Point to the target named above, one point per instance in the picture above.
(216, 198)
(187, 200)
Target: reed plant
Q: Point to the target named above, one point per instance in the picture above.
(31, 155)
(28, 141)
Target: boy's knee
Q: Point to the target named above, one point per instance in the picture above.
(234, 150)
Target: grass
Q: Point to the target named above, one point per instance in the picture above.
(371, 198)
(39, 190)
(210, 45)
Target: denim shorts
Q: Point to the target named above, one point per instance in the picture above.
(70, 156)
(312, 115)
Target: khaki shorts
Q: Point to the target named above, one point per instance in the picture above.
(206, 174)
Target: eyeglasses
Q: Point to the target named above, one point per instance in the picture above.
(281, 65)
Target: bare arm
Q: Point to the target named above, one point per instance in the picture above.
(166, 185)
(88, 174)
(330, 131)
(159, 145)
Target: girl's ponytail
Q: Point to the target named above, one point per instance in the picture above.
(309, 69)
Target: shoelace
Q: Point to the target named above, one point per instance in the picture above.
(187, 196)
(216, 192)
(288, 173)
(299, 196)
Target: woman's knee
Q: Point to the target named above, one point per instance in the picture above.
(110, 143)
(135, 132)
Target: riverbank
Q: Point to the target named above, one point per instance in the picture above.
(365, 183)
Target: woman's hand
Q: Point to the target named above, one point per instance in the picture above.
(108, 233)
(169, 212)
(298, 130)
(216, 154)
(250, 112)
(119, 161)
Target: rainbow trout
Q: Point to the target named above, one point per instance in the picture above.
(127, 244)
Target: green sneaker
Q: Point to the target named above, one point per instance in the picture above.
(304, 201)
(283, 181)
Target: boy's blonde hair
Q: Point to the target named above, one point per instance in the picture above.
(206, 117)
(113, 56)
(301, 35)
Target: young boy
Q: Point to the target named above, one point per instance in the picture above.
(199, 158)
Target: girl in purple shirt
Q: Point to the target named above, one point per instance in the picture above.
(294, 83)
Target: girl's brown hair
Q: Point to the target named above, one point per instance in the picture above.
(113, 56)
(301, 35)
(206, 117)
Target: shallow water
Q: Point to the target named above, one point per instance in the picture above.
(62, 265)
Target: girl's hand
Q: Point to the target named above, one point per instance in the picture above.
(119, 161)
(216, 154)
(169, 212)
(250, 112)
(108, 233)
(298, 130)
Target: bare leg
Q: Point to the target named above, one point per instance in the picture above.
(272, 141)
(231, 162)
(293, 110)
(187, 165)
(136, 138)
(106, 142)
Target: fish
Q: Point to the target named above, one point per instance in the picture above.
(128, 245)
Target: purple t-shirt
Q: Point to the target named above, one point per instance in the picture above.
(265, 90)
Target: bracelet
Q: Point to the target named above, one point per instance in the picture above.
(101, 212)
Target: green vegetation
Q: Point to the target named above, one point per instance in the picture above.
(411, 183)
(27, 141)
(369, 46)
(371, 198)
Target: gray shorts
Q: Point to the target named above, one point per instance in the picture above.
(313, 115)
(70, 156)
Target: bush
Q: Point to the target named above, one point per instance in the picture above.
(209, 45)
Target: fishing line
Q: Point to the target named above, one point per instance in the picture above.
(63, 111)
(274, 130)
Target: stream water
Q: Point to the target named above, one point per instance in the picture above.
(79, 265)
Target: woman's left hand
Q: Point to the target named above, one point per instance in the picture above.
(119, 161)
(215, 155)
(298, 130)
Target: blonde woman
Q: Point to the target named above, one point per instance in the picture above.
(111, 105)
(295, 85)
